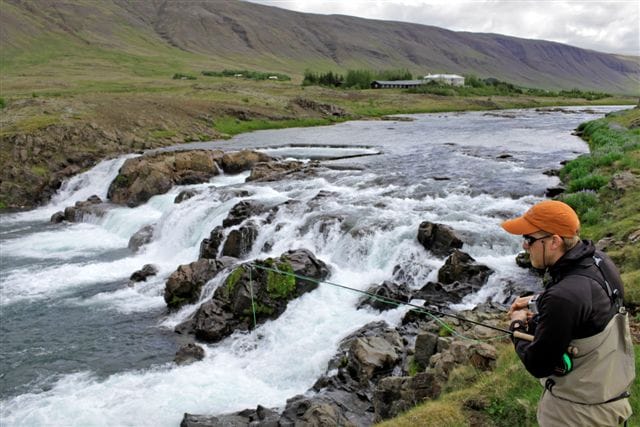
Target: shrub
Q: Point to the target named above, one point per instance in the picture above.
(180, 76)
(248, 74)
(2, 103)
(581, 201)
(588, 182)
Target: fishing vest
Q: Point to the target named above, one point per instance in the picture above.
(596, 391)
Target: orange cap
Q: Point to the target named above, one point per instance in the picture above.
(551, 216)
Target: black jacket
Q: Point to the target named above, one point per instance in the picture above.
(574, 305)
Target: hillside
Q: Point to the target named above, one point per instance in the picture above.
(159, 36)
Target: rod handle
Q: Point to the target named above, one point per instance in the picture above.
(571, 350)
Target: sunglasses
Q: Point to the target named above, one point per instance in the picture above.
(530, 240)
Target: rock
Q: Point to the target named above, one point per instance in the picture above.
(621, 181)
(271, 171)
(209, 247)
(365, 356)
(93, 206)
(554, 191)
(231, 307)
(143, 177)
(482, 356)
(242, 160)
(389, 295)
(188, 354)
(184, 285)
(314, 411)
(426, 345)
(394, 395)
(461, 267)
(240, 241)
(324, 109)
(141, 275)
(437, 238)
(57, 217)
(240, 212)
(184, 195)
(437, 294)
(141, 238)
(607, 243)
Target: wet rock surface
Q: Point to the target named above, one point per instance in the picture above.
(260, 283)
(92, 207)
(438, 238)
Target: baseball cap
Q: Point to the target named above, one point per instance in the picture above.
(551, 216)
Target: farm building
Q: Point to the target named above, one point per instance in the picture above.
(390, 84)
(450, 79)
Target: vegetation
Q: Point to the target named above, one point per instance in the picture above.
(229, 126)
(280, 286)
(354, 79)
(608, 209)
(181, 76)
(232, 280)
(475, 86)
(248, 74)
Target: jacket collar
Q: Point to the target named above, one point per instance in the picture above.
(579, 255)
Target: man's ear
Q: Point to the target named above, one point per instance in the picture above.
(556, 242)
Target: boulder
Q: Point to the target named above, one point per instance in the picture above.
(242, 160)
(314, 411)
(141, 238)
(621, 181)
(438, 238)
(93, 206)
(461, 267)
(240, 241)
(386, 296)
(426, 346)
(271, 171)
(143, 177)
(240, 212)
(184, 285)
(394, 395)
(209, 247)
(188, 354)
(231, 307)
(184, 195)
(141, 275)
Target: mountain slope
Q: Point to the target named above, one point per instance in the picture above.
(227, 33)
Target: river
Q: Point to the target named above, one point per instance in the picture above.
(80, 347)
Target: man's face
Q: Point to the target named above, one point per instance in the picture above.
(535, 244)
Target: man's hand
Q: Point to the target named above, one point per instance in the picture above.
(522, 315)
(520, 304)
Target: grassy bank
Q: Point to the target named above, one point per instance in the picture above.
(508, 396)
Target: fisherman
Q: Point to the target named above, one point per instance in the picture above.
(581, 349)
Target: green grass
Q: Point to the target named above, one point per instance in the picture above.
(230, 126)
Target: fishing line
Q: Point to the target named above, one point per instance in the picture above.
(391, 301)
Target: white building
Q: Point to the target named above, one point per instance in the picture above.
(450, 79)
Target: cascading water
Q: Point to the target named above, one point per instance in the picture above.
(82, 347)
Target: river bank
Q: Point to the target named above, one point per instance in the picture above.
(53, 134)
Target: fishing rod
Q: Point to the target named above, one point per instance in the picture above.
(414, 307)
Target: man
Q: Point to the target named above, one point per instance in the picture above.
(581, 348)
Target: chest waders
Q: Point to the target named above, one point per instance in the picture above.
(596, 391)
